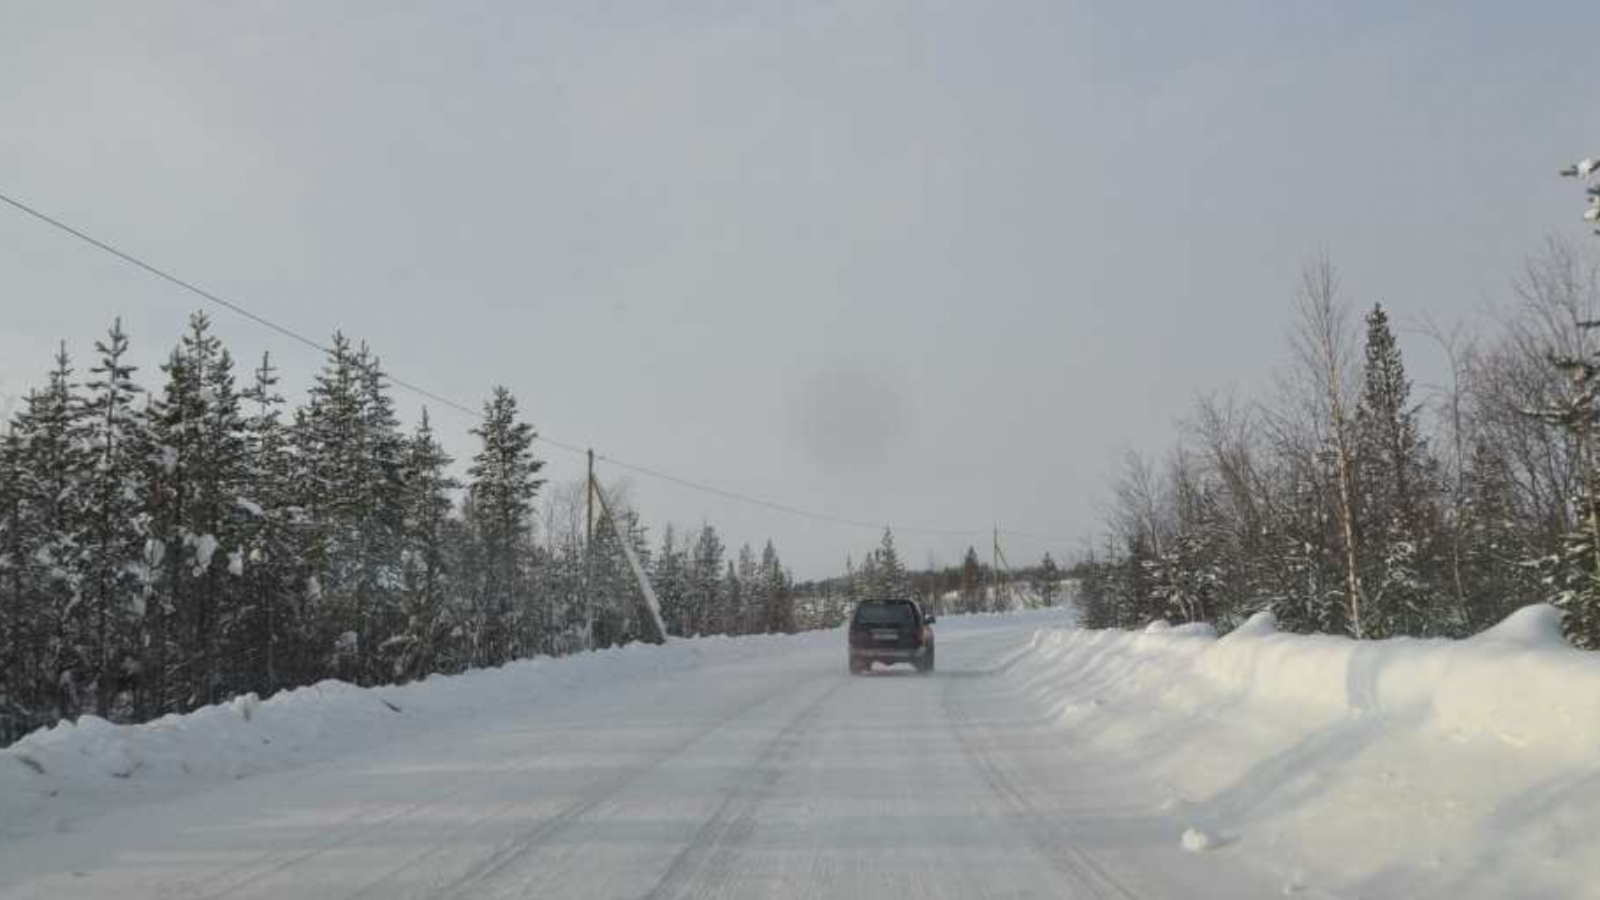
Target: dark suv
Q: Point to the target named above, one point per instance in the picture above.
(889, 632)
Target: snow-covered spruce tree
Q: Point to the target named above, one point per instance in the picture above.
(269, 556)
(325, 440)
(1047, 581)
(705, 583)
(165, 492)
(1495, 545)
(1308, 596)
(220, 479)
(972, 583)
(889, 573)
(777, 593)
(752, 595)
(17, 643)
(425, 569)
(1397, 489)
(349, 452)
(868, 583)
(610, 584)
(195, 473)
(55, 466)
(114, 523)
(558, 578)
(1096, 600)
(1573, 573)
(504, 482)
(41, 555)
(1188, 581)
(730, 600)
(1133, 584)
(671, 578)
(379, 528)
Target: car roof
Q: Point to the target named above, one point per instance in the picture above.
(889, 601)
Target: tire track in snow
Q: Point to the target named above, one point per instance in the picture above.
(346, 830)
(705, 868)
(509, 853)
(1087, 877)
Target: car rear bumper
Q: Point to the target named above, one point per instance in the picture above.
(888, 654)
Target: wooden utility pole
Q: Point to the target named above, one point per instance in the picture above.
(1002, 586)
(994, 572)
(588, 556)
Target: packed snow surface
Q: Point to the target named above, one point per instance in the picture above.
(1039, 761)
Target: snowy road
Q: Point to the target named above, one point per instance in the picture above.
(775, 777)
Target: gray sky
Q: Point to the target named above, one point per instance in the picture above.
(931, 263)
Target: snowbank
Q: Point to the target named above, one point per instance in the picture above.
(1379, 768)
(78, 769)
(1520, 682)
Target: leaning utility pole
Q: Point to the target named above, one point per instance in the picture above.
(1002, 587)
(625, 541)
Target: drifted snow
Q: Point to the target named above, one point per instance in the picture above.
(1039, 761)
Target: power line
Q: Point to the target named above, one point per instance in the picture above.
(774, 505)
(421, 391)
(240, 310)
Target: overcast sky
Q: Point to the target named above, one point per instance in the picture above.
(931, 264)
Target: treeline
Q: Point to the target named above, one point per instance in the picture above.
(1346, 503)
(967, 588)
(164, 550)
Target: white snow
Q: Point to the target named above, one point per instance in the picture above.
(1382, 768)
(1039, 761)
(1197, 840)
(60, 771)
(168, 458)
(205, 547)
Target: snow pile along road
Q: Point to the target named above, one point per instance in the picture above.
(1379, 769)
(1039, 761)
(59, 775)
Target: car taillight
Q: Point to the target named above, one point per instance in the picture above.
(926, 635)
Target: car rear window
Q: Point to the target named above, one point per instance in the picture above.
(885, 614)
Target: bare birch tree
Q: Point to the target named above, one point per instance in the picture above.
(1322, 342)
